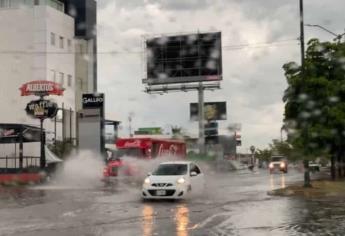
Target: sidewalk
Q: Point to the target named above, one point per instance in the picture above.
(322, 187)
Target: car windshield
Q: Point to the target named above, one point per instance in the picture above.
(129, 152)
(276, 158)
(171, 169)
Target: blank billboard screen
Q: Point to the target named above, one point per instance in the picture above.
(212, 111)
(184, 58)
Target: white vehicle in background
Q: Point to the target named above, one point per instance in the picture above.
(278, 163)
(314, 166)
(173, 180)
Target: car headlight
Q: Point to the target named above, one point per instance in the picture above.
(147, 181)
(271, 165)
(282, 165)
(181, 181)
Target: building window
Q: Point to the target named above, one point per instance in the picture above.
(81, 48)
(69, 80)
(58, 5)
(62, 78)
(53, 75)
(80, 83)
(52, 39)
(61, 42)
(69, 45)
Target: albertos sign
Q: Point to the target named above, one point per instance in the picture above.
(41, 109)
(91, 100)
(41, 88)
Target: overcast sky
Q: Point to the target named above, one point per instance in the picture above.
(253, 80)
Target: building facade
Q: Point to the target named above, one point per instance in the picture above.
(85, 15)
(39, 41)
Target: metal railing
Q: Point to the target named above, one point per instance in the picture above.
(10, 164)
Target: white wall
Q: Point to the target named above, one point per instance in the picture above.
(26, 55)
(84, 69)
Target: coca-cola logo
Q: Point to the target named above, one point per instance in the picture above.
(134, 143)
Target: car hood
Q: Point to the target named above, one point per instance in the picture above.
(276, 162)
(165, 178)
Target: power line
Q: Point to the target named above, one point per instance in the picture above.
(234, 47)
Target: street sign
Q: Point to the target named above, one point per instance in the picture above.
(41, 88)
(93, 100)
(212, 140)
(41, 109)
(211, 133)
(211, 129)
(150, 130)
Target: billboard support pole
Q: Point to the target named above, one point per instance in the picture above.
(201, 119)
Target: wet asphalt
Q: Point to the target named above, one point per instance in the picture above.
(234, 203)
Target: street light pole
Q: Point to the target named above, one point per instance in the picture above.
(337, 36)
(305, 162)
(302, 35)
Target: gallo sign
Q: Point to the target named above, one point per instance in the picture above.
(41, 88)
(91, 100)
(41, 109)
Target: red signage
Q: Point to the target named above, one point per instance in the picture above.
(41, 88)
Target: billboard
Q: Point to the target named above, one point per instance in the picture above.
(184, 58)
(212, 111)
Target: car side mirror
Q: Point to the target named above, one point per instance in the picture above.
(193, 173)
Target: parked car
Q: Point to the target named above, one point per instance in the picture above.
(314, 166)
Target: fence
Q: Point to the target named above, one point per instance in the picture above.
(11, 164)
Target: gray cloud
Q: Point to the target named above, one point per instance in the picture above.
(183, 5)
(253, 77)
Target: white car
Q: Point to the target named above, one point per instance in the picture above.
(173, 180)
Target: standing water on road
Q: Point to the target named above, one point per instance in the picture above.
(82, 170)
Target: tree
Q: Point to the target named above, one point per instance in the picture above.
(62, 148)
(277, 148)
(315, 102)
(263, 154)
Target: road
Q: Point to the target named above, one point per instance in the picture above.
(234, 204)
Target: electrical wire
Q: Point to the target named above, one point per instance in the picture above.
(234, 47)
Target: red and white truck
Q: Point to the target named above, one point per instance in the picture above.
(141, 149)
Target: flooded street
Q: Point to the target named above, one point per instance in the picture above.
(233, 204)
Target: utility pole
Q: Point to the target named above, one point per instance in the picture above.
(130, 126)
(302, 35)
(201, 119)
(305, 162)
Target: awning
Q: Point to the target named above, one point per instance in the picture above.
(51, 157)
(17, 133)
